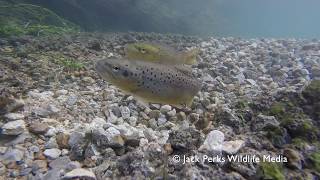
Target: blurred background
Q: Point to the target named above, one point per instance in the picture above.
(237, 18)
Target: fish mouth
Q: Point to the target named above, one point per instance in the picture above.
(103, 69)
(100, 66)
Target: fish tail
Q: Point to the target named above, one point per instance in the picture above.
(191, 56)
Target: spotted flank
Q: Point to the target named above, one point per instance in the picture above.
(151, 82)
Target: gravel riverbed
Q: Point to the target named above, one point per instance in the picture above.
(60, 120)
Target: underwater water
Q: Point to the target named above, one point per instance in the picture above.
(149, 89)
(258, 18)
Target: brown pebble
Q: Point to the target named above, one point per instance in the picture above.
(38, 128)
(40, 156)
(63, 140)
(167, 147)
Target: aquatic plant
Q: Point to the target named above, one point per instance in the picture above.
(71, 64)
(315, 158)
(271, 170)
(299, 143)
(277, 109)
(27, 19)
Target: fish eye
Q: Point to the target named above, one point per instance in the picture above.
(143, 50)
(116, 68)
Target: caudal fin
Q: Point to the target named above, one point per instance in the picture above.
(191, 56)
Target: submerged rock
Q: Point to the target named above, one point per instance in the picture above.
(14, 116)
(213, 143)
(185, 139)
(232, 147)
(53, 153)
(38, 128)
(294, 158)
(14, 127)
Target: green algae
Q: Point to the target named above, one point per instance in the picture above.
(315, 158)
(71, 64)
(299, 143)
(277, 109)
(27, 19)
(271, 170)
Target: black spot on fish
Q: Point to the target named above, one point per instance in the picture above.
(142, 72)
(125, 73)
(155, 76)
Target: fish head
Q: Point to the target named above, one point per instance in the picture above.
(114, 70)
(142, 51)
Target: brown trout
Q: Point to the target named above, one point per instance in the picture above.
(151, 82)
(159, 53)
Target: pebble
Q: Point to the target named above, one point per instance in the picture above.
(76, 138)
(172, 113)
(97, 122)
(154, 114)
(14, 105)
(52, 153)
(14, 127)
(263, 122)
(40, 165)
(62, 140)
(3, 149)
(61, 92)
(72, 165)
(294, 158)
(232, 147)
(155, 106)
(14, 116)
(46, 111)
(72, 100)
(38, 128)
(112, 131)
(165, 108)
(51, 132)
(213, 142)
(51, 143)
(12, 155)
(60, 162)
(2, 169)
(79, 173)
(193, 117)
(132, 121)
(162, 120)
(125, 112)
